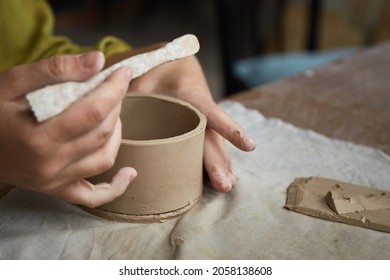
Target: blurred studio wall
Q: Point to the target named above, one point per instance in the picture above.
(244, 43)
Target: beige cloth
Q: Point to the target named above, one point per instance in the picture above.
(247, 223)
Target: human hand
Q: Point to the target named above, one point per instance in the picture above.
(56, 155)
(184, 79)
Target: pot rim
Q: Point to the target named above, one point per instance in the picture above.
(197, 130)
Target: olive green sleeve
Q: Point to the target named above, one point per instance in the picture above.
(26, 35)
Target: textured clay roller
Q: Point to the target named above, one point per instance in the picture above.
(50, 101)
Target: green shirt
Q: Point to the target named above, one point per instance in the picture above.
(26, 35)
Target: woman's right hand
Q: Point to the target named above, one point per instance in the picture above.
(56, 155)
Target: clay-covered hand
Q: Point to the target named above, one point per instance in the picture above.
(54, 156)
(184, 79)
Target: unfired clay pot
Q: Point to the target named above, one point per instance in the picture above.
(162, 138)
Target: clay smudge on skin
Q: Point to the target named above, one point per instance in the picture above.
(232, 176)
(243, 141)
(221, 176)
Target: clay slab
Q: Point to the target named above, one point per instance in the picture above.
(316, 196)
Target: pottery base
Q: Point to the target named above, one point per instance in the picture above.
(142, 219)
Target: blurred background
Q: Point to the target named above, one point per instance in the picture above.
(244, 43)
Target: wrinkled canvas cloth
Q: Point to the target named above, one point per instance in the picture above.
(247, 223)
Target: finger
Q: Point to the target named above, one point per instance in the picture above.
(25, 78)
(217, 162)
(54, 158)
(63, 68)
(90, 111)
(98, 161)
(222, 123)
(84, 193)
(73, 151)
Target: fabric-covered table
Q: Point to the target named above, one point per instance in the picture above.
(247, 223)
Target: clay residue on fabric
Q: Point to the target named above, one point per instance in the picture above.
(343, 202)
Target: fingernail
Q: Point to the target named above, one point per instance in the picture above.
(129, 72)
(131, 173)
(232, 177)
(91, 59)
(227, 185)
(250, 144)
(222, 177)
(124, 176)
(243, 141)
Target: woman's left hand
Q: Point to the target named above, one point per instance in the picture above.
(184, 79)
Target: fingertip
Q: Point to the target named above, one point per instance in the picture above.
(232, 177)
(129, 72)
(242, 140)
(131, 172)
(127, 75)
(100, 60)
(250, 144)
(219, 178)
(124, 176)
(121, 77)
(227, 127)
(92, 61)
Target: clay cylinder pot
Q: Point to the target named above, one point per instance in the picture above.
(162, 138)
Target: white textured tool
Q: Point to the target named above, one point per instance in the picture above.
(50, 101)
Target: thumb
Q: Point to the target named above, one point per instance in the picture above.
(28, 77)
(71, 67)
